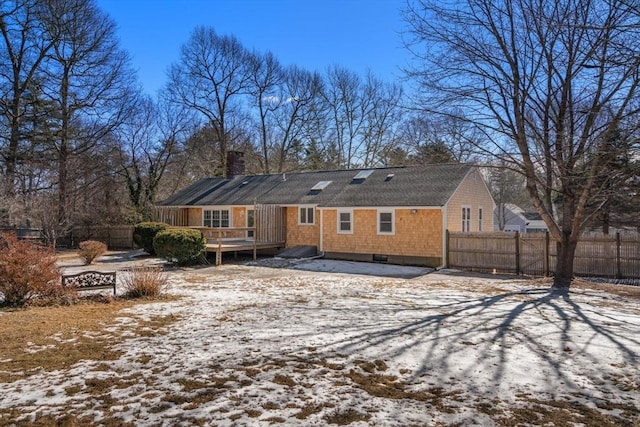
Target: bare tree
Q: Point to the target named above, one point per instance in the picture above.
(348, 109)
(431, 139)
(267, 76)
(212, 77)
(546, 83)
(23, 47)
(380, 122)
(295, 112)
(88, 80)
(507, 187)
(147, 144)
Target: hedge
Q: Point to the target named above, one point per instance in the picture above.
(144, 232)
(182, 246)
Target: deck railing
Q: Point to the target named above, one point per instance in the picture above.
(216, 237)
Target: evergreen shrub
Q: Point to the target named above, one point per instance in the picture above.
(181, 246)
(144, 232)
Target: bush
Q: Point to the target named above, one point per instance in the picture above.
(26, 270)
(90, 250)
(140, 282)
(144, 232)
(182, 246)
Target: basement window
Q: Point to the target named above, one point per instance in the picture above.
(380, 258)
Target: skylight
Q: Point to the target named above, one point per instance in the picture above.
(363, 174)
(321, 185)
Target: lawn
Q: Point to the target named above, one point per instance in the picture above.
(322, 343)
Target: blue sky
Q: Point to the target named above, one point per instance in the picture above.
(314, 34)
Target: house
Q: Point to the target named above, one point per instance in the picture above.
(513, 218)
(397, 214)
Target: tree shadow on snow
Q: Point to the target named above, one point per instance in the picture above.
(496, 335)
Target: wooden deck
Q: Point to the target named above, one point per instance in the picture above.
(237, 245)
(234, 239)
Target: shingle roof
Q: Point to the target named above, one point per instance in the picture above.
(429, 185)
(533, 216)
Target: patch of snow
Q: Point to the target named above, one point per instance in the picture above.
(253, 343)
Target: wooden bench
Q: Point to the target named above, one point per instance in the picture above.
(90, 280)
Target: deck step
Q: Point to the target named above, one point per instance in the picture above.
(300, 251)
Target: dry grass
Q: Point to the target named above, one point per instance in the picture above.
(346, 417)
(564, 413)
(144, 282)
(620, 290)
(52, 338)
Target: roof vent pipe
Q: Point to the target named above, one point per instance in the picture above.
(284, 177)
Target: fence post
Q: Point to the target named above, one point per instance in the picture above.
(446, 249)
(546, 254)
(618, 261)
(517, 253)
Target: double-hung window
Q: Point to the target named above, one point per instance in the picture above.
(306, 215)
(216, 218)
(385, 222)
(466, 219)
(345, 221)
(480, 218)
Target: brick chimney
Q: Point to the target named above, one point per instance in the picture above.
(235, 163)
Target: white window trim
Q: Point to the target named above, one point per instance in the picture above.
(219, 208)
(393, 222)
(306, 215)
(246, 222)
(341, 211)
(468, 219)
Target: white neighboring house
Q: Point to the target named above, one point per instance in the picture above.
(516, 219)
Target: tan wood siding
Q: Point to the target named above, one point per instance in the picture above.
(301, 234)
(416, 234)
(472, 192)
(195, 217)
(238, 216)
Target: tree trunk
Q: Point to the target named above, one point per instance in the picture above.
(566, 249)
(605, 223)
(11, 158)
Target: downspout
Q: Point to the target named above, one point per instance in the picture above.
(444, 237)
(321, 231)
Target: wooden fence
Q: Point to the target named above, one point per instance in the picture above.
(616, 256)
(116, 236)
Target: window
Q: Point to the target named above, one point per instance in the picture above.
(306, 215)
(216, 218)
(480, 218)
(251, 222)
(385, 222)
(466, 219)
(345, 225)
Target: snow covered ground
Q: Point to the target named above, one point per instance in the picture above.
(327, 342)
